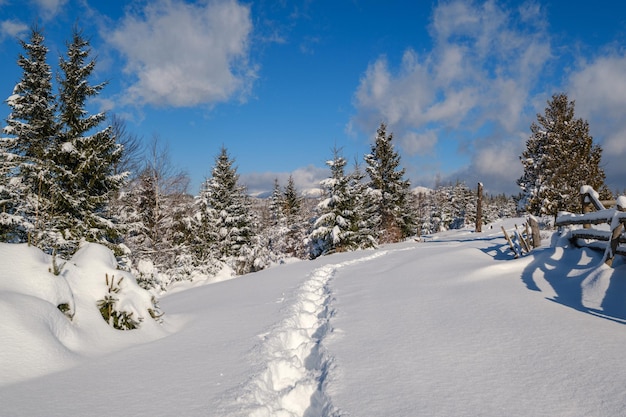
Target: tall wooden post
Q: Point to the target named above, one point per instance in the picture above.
(534, 227)
(585, 202)
(479, 208)
(615, 237)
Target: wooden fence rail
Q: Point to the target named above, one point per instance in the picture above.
(615, 217)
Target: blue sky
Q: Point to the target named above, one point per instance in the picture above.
(280, 83)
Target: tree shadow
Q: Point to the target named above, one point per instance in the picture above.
(579, 279)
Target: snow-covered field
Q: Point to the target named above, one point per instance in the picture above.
(451, 326)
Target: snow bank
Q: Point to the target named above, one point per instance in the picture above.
(49, 321)
(92, 272)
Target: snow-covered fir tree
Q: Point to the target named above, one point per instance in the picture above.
(297, 224)
(292, 201)
(333, 230)
(275, 229)
(422, 205)
(453, 206)
(559, 158)
(84, 157)
(224, 224)
(285, 230)
(463, 205)
(497, 207)
(387, 179)
(366, 219)
(440, 209)
(276, 205)
(153, 209)
(26, 177)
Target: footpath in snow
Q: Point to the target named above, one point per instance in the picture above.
(295, 363)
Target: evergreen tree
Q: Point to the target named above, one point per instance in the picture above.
(284, 233)
(559, 158)
(386, 178)
(275, 230)
(422, 212)
(26, 176)
(85, 157)
(295, 221)
(224, 222)
(332, 229)
(153, 211)
(292, 202)
(365, 219)
(276, 205)
(441, 208)
(462, 202)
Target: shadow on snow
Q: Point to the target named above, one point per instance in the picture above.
(579, 277)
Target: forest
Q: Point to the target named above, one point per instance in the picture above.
(68, 177)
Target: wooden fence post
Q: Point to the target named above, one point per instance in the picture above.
(615, 236)
(534, 227)
(479, 208)
(587, 206)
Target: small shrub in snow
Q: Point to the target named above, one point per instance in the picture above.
(56, 268)
(155, 312)
(122, 320)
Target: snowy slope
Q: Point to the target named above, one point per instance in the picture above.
(452, 326)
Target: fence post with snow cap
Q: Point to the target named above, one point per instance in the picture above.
(617, 228)
(536, 235)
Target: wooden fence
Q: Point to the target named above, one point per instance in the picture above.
(609, 239)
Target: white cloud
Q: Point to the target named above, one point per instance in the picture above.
(599, 89)
(497, 167)
(185, 54)
(307, 180)
(418, 143)
(12, 29)
(493, 161)
(478, 80)
(395, 99)
(49, 8)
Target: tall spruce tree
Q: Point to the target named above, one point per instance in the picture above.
(26, 177)
(365, 219)
(276, 205)
(296, 224)
(292, 201)
(275, 229)
(463, 207)
(224, 222)
(394, 194)
(85, 157)
(333, 230)
(559, 158)
(286, 228)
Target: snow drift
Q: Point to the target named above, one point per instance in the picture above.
(449, 326)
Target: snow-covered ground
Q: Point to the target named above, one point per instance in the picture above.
(450, 326)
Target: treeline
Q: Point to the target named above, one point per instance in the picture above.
(68, 176)
(453, 206)
(58, 168)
